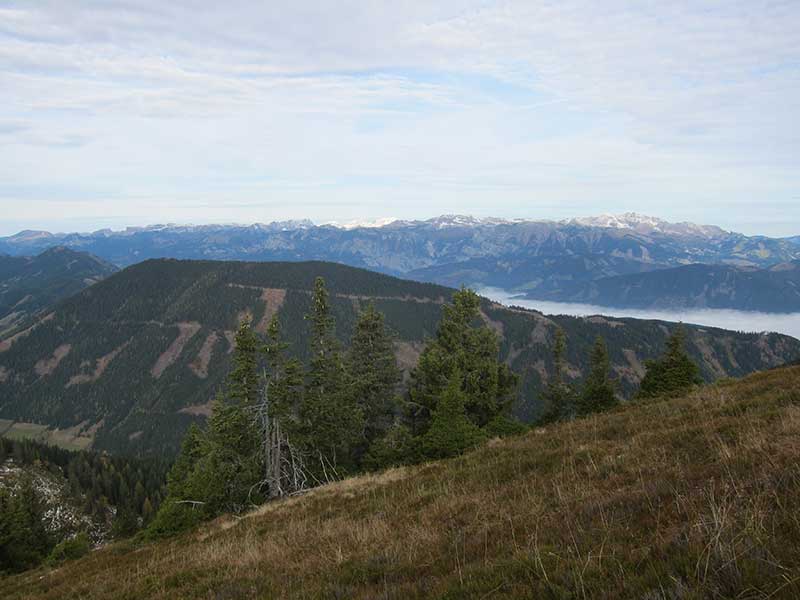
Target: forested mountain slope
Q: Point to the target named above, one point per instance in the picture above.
(693, 497)
(50, 496)
(132, 360)
(30, 284)
(774, 289)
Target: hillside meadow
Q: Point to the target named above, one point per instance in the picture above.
(694, 497)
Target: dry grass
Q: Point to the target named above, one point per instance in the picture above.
(690, 498)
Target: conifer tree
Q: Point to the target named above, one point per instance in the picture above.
(559, 397)
(24, 540)
(184, 505)
(394, 448)
(451, 431)
(285, 379)
(244, 381)
(598, 390)
(230, 463)
(463, 346)
(372, 373)
(331, 420)
(674, 373)
(280, 431)
(219, 470)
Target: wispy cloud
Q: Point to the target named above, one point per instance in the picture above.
(364, 109)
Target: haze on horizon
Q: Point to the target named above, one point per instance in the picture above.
(116, 113)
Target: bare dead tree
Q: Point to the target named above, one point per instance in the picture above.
(284, 467)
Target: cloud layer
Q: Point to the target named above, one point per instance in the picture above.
(134, 112)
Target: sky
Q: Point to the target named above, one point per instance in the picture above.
(132, 113)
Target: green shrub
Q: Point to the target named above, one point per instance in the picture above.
(69, 549)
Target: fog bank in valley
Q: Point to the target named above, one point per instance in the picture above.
(737, 320)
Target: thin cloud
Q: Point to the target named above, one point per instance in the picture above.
(443, 107)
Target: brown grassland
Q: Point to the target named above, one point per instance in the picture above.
(696, 497)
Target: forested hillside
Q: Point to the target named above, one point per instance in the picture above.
(129, 363)
(28, 285)
(691, 497)
(56, 503)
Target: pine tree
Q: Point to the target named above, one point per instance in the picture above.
(598, 390)
(331, 420)
(281, 434)
(244, 381)
(559, 397)
(394, 448)
(219, 470)
(179, 511)
(472, 350)
(230, 463)
(372, 373)
(674, 373)
(24, 540)
(451, 431)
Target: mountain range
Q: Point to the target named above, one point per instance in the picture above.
(128, 363)
(533, 257)
(29, 285)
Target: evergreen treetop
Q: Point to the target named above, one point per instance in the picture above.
(451, 431)
(465, 346)
(674, 373)
(372, 372)
(598, 389)
(559, 397)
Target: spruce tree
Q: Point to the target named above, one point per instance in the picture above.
(598, 390)
(331, 420)
(281, 432)
(674, 373)
(394, 448)
(179, 512)
(465, 346)
(451, 431)
(243, 380)
(372, 373)
(24, 540)
(219, 470)
(559, 397)
(285, 379)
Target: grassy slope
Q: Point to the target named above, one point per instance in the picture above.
(689, 498)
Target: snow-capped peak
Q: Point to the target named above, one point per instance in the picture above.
(628, 220)
(646, 224)
(357, 224)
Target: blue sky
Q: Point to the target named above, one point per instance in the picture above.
(128, 113)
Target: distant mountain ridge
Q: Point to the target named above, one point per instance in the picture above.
(29, 285)
(522, 255)
(129, 362)
(774, 289)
